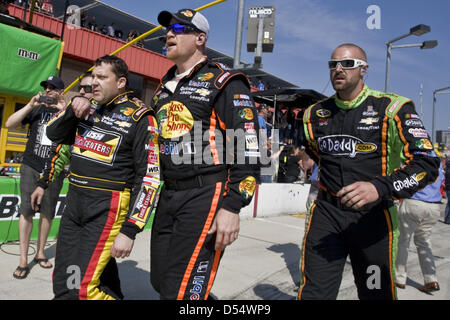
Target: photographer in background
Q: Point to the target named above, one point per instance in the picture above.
(36, 113)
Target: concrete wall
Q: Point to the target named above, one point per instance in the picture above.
(275, 199)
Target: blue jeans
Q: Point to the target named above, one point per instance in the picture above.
(447, 208)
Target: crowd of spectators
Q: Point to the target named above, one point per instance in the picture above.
(42, 6)
(86, 21)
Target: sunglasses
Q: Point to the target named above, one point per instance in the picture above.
(346, 63)
(50, 87)
(86, 88)
(181, 28)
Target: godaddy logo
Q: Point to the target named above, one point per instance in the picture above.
(344, 145)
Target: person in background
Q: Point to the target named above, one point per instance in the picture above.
(417, 216)
(37, 113)
(60, 155)
(289, 169)
(111, 30)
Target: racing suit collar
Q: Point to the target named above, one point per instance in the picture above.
(351, 104)
(171, 73)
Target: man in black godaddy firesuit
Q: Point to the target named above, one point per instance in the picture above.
(205, 186)
(358, 137)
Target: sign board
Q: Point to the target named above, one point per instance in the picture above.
(27, 58)
(267, 13)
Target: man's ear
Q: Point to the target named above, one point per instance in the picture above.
(364, 70)
(201, 37)
(122, 83)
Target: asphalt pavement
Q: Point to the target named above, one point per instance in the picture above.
(263, 264)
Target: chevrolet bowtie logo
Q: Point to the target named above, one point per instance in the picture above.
(369, 121)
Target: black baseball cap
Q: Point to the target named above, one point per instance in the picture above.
(186, 16)
(54, 81)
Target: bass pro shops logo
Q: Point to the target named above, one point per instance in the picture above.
(343, 145)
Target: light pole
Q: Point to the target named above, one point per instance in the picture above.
(435, 92)
(417, 31)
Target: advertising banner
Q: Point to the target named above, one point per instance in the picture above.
(26, 59)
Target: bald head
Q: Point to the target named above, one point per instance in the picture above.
(352, 49)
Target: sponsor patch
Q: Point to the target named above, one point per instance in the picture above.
(205, 76)
(251, 142)
(174, 119)
(407, 183)
(392, 108)
(223, 77)
(323, 113)
(370, 112)
(369, 121)
(418, 132)
(250, 127)
(199, 84)
(344, 145)
(203, 92)
(247, 187)
(424, 144)
(241, 97)
(187, 13)
(411, 116)
(413, 123)
(246, 113)
(242, 103)
(96, 144)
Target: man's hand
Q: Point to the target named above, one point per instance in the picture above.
(358, 194)
(81, 107)
(36, 198)
(122, 246)
(226, 224)
(60, 102)
(34, 102)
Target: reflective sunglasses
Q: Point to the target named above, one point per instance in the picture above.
(346, 63)
(86, 88)
(181, 28)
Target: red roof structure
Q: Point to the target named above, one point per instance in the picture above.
(85, 45)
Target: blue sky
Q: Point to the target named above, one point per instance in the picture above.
(307, 31)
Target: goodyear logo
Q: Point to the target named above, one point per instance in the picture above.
(323, 113)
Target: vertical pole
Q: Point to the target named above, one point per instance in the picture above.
(33, 4)
(258, 50)
(432, 125)
(238, 41)
(421, 101)
(388, 66)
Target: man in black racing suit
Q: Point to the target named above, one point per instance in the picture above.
(208, 175)
(358, 137)
(114, 182)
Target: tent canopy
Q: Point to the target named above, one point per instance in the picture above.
(288, 97)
